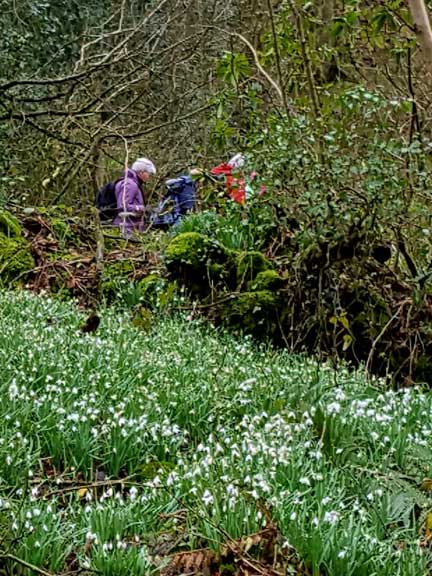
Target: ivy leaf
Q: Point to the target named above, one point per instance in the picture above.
(347, 339)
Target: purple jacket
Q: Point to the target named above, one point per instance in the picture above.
(130, 199)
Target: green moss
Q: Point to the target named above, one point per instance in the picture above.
(151, 282)
(116, 278)
(168, 296)
(109, 290)
(115, 289)
(62, 230)
(155, 468)
(113, 239)
(217, 271)
(189, 248)
(118, 268)
(253, 302)
(151, 288)
(267, 280)
(59, 210)
(9, 225)
(253, 312)
(197, 261)
(250, 264)
(63, 256)
(143, 319)
(15, 259)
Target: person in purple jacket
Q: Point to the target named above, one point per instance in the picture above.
(130, 196)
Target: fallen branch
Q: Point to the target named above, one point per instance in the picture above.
(25, 564)
(102, 484)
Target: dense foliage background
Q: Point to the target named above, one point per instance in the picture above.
(86, 85)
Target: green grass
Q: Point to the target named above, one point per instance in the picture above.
(114, 443)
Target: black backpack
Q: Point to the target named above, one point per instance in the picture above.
(106, 201)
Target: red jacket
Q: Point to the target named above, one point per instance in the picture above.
(235, 185)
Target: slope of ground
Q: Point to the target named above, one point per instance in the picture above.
(185, 451)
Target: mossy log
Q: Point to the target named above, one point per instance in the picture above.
(15, 260)
(199, 262)
(253, 312)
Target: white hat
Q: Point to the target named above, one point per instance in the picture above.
(237, 161)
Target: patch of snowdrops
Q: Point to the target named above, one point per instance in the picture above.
(109, 440)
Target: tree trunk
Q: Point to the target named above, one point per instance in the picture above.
(423, 29)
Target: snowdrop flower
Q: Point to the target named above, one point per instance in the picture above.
(91, 537)
(156, 482)
(340, 394)
(171, 478)
(207, 498)
(13, 390)
(334, 408)
(232, 490)
(107, 546)
(133, 493)
(331, 517)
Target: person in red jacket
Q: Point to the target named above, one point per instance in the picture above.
(234, 181)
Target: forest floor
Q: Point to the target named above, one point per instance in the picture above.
(180, 449)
